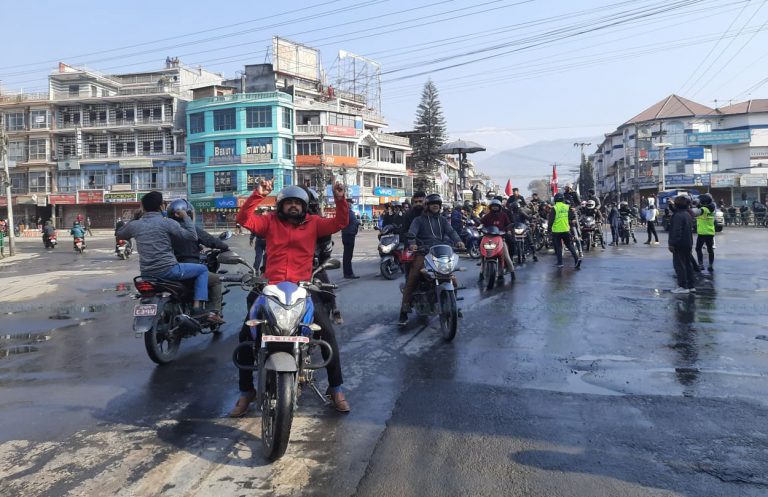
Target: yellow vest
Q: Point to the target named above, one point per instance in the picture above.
(561, 218)
(705, 223)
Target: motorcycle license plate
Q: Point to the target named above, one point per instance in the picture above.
(145, 310)
(290, 339)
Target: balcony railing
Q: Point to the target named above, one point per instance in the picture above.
(340, 131)
(22, 97)
(221, 160)
(151, 121)
(392, 139)
(239, 97)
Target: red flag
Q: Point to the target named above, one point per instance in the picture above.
(553, 183)
(508, 188)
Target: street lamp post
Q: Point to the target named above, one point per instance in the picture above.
(662, 148)
(7, 183)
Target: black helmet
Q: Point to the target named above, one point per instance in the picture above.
(314, 200)
(180, 204)
(292, 192)
(559, 197)
(705, 199)
(514, 205)
(495, 202)
(434, 198)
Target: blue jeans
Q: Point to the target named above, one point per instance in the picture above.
(187, 271)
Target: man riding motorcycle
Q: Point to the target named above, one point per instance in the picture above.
(571, 196)
(48, 232)
(591, 209)
(519, 215)
(291, 234)
(188, 251)
(500, 218)
(429, 229)
(77, 231)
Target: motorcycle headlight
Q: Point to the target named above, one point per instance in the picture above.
(444, 265)
(519, 231)
(286, 318)
(385, 249)
(489, 246)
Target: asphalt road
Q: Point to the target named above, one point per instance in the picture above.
(588, 383)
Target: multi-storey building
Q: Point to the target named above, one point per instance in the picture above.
(234, 140)
(98, 142)
(723, 151)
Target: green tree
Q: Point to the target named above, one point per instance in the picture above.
(586, 178)
(540, 186)
(430, 129)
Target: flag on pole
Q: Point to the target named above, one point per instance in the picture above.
(553, 183)
(508, 188)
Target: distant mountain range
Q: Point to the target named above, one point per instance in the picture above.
(534, 161)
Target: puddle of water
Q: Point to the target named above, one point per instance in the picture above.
(21, 349)
(34, 337)
(615, 358)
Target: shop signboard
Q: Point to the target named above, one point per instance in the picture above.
(90, 197)
(206, 203)
(334, 130)
(670, 154)
(62, 199)
(353, 191)
(120, 198)
(724, 180)
(753, 180)
(686, 180)
(134, 163)
(383, 191)
(225, 203)
(720, 137)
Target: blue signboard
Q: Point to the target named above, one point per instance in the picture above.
(225, 203)
(686, 180)
(352, 191)
(670, 154)
(720, 137)
(381, 191)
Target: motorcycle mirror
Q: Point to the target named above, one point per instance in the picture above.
(332, 264)
(225, 235)
(230, 257)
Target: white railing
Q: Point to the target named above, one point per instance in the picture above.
(392, 139)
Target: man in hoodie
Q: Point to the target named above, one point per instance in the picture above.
(680, 245)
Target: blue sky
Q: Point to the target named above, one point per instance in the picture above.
(533, 84)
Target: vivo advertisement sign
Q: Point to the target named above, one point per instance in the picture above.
(720, 137)
(670, 154)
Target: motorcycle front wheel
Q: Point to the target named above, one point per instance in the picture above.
(277, 413)
(449, 315)
(388, 269)
(161, 347)
(490, 273)
(474, 251)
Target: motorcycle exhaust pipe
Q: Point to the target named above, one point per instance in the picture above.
(187, 324)
(323, 345)
(236, 356)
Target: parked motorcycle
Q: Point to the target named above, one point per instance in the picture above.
(123, 249)
(49, 242)
(591, 233)
(390, 251)
(522, 245)
(79, 245)
(471, 236)
(283, 332)
(492, 261)
(626, 230)
(435, 293)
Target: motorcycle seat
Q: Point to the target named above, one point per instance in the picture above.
(182, 289)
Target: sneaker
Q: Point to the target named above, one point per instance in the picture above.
(691, 290)
(647, 243)
(337, 319)
(559, 265)
(578, 264)
(403, 318)
(656, 242)
(680, 290)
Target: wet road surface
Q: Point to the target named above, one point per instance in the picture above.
(579, 383)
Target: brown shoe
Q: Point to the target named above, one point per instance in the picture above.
(337, 319)
(242, 405)
(340, 402)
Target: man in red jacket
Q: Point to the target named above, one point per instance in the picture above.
(291, 234)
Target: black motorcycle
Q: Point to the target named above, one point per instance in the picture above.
(591, 233)
(626, 230)
(522, 246)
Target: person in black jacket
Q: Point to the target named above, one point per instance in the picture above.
(680, 245)
(188, 251)
(348, 235)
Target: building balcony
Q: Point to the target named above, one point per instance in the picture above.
(239, 98)
(330, 130)
(391, 139)
(222, 160)
(119, 124)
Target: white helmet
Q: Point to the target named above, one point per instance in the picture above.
(590, 204)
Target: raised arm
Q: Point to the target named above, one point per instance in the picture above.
(329, 226)
(246, 218)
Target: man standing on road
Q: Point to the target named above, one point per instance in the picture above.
(560, 219)
(680, 245)
(348, 235)
(650, 214)
(705, 230)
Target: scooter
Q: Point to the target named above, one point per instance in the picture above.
(492, 257)
(390, 251)
(471, 236)
(123, 249)
(49, 241)
(79, 245)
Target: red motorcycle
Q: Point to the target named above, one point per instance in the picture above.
(49, 241)
(79, 245)
(492, 257)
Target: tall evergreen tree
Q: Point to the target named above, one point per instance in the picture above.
(430, 126)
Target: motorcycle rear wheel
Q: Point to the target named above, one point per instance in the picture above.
(449, 316)
(277, 414)
(161, 348)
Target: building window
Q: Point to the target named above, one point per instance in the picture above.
(258, 146)
(196, 153)
(176, 177)
(391, 181)
(308, 148)
(197, 183)
(224, 148)
(287, 148)
(258, 117)
(392, 156)
(337, 148)
(341, 120)
(124, 177)
(68, 181)
(74, 90)
(256, 175)
(225, 181)
(14, 121)
(38, 149)
(146, 179)
(17, 151)
(286, 118)
(368, 180)
(223, 119)
(197, 123)
(38, 119)
(364, 152)
(19, 183)
(38, 181)
(287, 178)
(96, 179)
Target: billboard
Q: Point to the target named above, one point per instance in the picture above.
(720, 137)
(670, 154)
(295, 59)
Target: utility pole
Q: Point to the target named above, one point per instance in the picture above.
(583, 161)
(636, 196)
(7, 184)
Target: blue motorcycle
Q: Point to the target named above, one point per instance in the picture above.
(471, 236)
